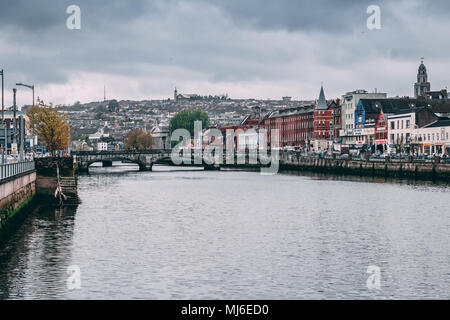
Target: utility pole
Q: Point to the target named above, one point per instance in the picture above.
(27, 86)
(2, 73)
(14, 116)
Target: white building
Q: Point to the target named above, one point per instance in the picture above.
(400, 128)
(161, 138)
(349, 103)
(404, 126)
(433, 138)
(102, 146)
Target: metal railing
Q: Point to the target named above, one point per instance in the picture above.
(12, 169)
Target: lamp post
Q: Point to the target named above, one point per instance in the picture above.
(2, 73)
(32, 88)
(28, 86)
(14, 116)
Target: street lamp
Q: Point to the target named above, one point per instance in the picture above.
(3, 114)
(28, 86)
(3, 98)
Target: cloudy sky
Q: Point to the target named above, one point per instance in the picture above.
(142, 49)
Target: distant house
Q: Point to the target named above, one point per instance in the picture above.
(437, 95)
(161, 138)
(98, 135)
(101, 146)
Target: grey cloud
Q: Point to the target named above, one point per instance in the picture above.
(227, 41)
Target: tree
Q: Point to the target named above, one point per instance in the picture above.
(185, 120)
(113, 106)
(52, 129)
(138, 139)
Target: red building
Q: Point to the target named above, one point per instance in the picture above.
(327, 118)
(295, 126)
(337, 119)
(381, 133)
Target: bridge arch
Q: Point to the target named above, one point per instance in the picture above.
(141, 164)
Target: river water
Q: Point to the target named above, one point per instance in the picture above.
(171, 234)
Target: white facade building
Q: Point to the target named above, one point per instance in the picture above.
(102, 146)
(400, 128)
(434, 138)
(430, 139)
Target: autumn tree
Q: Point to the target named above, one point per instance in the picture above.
(51, 128)
(139, 139)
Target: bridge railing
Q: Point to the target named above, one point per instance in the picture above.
(12, 169)
(119, 152)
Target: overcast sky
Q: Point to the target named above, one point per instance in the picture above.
(142, 49)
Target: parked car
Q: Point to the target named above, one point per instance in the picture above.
(344, 156)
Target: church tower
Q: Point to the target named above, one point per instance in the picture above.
(422, 86)
(175, 95)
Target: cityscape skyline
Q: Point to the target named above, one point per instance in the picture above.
(141, 51)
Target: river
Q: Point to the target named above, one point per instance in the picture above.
(172, 234)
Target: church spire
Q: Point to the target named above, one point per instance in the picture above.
(322, 102)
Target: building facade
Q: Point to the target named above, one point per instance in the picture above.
(404, 127)
(349, 103)
(295, 126)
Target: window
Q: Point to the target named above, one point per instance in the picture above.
(408, 124)
(392, 125)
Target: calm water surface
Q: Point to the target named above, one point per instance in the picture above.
(233, 235)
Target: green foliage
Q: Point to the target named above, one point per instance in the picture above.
(185, 120)
(113, 106)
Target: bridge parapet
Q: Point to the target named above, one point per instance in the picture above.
(147, 158)
(144, 158)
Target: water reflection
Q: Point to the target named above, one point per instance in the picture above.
(34, 256)
(234, 235)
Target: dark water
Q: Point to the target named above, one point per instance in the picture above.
(233, 235)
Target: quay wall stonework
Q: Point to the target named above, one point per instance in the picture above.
(419, 171)
(15, 193)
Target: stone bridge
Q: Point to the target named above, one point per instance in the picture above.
(145, 159)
